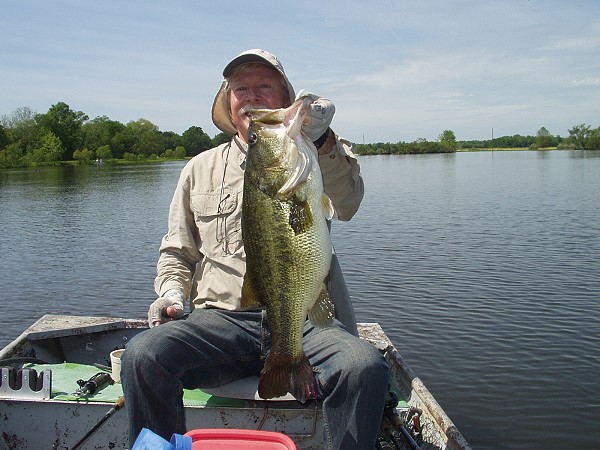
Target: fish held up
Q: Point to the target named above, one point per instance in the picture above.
(287, 243)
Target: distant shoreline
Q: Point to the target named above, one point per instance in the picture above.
(506, 149)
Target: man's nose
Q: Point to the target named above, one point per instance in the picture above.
(254, 92)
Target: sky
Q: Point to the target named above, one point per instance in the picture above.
(397, 70)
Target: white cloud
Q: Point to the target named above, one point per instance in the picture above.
(585, 39)
(589, 81)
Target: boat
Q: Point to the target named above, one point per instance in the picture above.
(58, 354)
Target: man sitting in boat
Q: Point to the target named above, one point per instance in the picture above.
(202, 258)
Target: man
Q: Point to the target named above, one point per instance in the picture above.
(202, 258)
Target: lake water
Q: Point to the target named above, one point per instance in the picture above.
(483, 268)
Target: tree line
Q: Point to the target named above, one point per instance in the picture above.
(62, 134)
(28, 139)
(580, 137)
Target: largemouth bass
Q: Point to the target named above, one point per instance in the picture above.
(287, 243)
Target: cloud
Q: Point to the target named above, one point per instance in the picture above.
(589, 81)
(589, 41)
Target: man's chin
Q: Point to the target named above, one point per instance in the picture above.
(242, 126)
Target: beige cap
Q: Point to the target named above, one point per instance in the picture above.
(220, 109)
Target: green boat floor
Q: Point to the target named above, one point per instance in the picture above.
(65, 376)
(64, 384)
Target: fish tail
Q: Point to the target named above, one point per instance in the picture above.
(279, 378)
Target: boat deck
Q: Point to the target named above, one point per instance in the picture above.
(76, 348)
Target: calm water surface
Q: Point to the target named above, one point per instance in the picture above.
(484, 269)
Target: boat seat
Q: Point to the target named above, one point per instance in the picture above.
(247, 388)
(336, 285)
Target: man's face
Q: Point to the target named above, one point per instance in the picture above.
(259, 87)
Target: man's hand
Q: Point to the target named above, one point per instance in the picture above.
(319, 117)
(166, 308)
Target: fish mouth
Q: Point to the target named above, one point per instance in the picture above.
(251, 110)
(291, 117)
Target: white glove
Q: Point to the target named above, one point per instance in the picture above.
(157, 314)
(319, 117)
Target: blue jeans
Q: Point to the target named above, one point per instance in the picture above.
(213, 347)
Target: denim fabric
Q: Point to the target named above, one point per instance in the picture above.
(213, 347)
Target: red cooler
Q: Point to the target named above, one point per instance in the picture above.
(221, 439)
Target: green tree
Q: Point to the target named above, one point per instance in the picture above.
(4, 141)
(543, 138)
(104, 152)
(99, 132)
(448, 140)
(21, 127)
(65, 124)
(49, 150)
(12, 156)
(83, 156)
(195, 141)
(219, 139)
(578, 135)
(593, 139)
(179, 152)
(140, 138)
(171, 139)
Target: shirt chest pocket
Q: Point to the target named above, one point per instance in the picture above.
(218, 218)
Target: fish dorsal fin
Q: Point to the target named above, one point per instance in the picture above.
(322, 312)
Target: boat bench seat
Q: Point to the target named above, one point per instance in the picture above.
(244, 388)
(65, 376)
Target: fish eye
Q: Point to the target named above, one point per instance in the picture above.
(252, 138)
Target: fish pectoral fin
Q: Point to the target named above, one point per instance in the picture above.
(323, 311)
(300, 217)
(327, 205)
(249, 298)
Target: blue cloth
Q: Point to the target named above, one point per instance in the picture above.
(148, 440)
(214, 347)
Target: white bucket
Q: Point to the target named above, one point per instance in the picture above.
(115, 364)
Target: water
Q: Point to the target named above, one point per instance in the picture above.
(482, 267)
(81, 240)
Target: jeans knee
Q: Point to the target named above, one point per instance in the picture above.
(364, 365)
(139, 353)
(374, 365)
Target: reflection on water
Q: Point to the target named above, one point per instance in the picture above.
(82, 240)
(482, 267)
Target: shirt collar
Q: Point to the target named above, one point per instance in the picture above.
(242, 148)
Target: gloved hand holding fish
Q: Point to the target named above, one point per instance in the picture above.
(287, 243)
(319, 116)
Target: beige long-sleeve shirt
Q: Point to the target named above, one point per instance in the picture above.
(202, 254)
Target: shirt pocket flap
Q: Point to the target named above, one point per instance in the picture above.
(213, 203)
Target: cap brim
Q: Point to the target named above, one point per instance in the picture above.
(243, 59)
